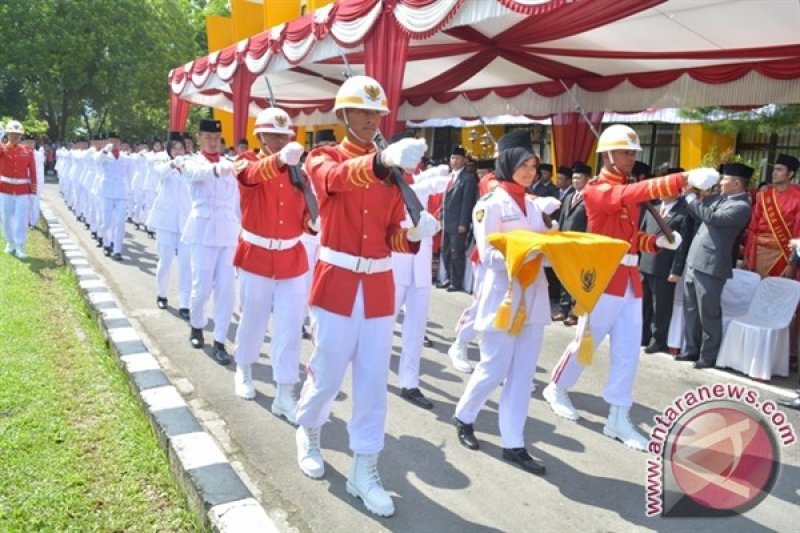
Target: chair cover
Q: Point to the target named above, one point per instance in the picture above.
(736, 297)
(757, 343)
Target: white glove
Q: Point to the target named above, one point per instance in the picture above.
(313, 225)
(432, 173)
(547, 204)
(405, 153)
(554, 226)
(703, 178)
(224, 168)
(178, 162)
(428, 226)
(443, 170)
(291, 154)
(662, 241)
(107, 148)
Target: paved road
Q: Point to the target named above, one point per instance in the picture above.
(592, 483)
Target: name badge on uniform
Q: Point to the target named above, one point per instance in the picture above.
(509, 217)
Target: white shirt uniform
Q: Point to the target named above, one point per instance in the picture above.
(503, 356)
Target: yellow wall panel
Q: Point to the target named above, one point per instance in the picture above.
(248, 18)
(219, 31)
(697, 141)
(280, 11)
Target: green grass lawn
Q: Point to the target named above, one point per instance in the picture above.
(76, 453)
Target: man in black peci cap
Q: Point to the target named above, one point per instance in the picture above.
(459, 199)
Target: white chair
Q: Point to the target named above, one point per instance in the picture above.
(736, 297)
(757, 343)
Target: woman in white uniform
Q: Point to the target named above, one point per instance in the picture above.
(167, 217)
(506, 357)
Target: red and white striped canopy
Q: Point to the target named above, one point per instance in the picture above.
(454, 57)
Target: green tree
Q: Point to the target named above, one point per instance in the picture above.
(96, 65)
(767, 119)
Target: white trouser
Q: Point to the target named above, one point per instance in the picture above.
(35, 210)
(465, 329)
(508, 358)
(621, 317)
(15, 209)
(416, 301)
(145, 205)
(259, 296)
(312, 253)
(169, 245)
(114, 222)
(212, 269)
(366, 343)
(136, 215)
(83, 200)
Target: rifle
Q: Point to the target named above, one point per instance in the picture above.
(410, 199)
(662, 224)
(295, 175)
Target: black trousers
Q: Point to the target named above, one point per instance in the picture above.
(657, 303)
(455, 258)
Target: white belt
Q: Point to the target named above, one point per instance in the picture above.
(360, 265)
(267, 243)
(630, 260)
(15, 181)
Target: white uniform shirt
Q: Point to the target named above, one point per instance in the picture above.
(173, 202)
(215, 214)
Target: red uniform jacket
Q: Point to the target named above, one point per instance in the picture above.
(16, 161)
(271, 208)
(361, 216)
(612, 209)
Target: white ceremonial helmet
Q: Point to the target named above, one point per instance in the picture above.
(618, 137)
(274, 120)
(362, 92)
(14, 126)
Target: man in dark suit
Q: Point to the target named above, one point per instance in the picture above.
(661, 271)
(709, 263)
(544, 185)
(572, 217)
(459, 199)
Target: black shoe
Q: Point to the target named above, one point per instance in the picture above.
(107, 251)
(304, 332)
(702, 364)
(196, 338)
(184, 313)
(161, 302)
(444, 285)
(117, 257)
(99, 243)
(426, 342)
(136, 225)
(521, 457)
(571, 321)
(94, 235)
(794, 403)
(219, 354)
(151, 234)
(129, 220)
(453, 288)
(416, 397)
(687, 357)
(466, 435)
(655, 348)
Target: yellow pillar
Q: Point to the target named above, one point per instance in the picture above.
(280, 11)
(698, 142)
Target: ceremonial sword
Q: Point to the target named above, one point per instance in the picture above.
(295, 174)
(662, 224)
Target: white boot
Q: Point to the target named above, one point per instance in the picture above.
(618, 426)
(559, 401)
(365, 483)
(9, 248)
(285, 403)
(21, 253)
(309, 456)
(458, 357)
(243, 380)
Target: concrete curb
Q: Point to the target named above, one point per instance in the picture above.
(219, 497)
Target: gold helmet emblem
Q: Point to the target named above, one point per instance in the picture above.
(280, 121)
(373, 92)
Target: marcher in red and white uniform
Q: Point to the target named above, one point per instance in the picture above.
(352, 296)
(506, 357)
(167, 217)
(17, 183)
(212, 231)
(612, 208)
(271, 259)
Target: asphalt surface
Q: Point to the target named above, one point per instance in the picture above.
(592, 482)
